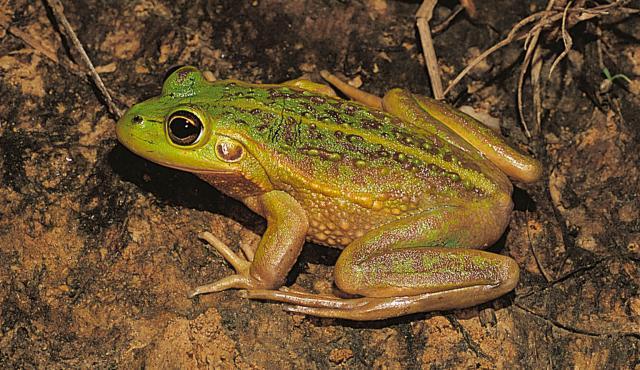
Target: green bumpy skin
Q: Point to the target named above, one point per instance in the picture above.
(411, 192)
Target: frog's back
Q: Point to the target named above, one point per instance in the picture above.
(337, 146)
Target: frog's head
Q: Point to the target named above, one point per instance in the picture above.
(177, 129)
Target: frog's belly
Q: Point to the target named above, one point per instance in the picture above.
(336, 222)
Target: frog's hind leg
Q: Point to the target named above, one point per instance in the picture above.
(352, 92)
(416, 264)
(425, 111)
(464, 293)
(380, 308)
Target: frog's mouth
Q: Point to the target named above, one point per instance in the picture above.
(148, 150)
(193, 170)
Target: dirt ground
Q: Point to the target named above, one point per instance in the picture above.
(99, 247)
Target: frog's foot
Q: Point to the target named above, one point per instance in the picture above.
(303, 84)
(240, 280)
(370, 308)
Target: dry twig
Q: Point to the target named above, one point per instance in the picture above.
(470, 7)
(423, 16)
(536, 73)
(540, 21)
(566, 39)
(445, 23)
(513, 35)
(531, 45)
(34, 43)
(58, 12)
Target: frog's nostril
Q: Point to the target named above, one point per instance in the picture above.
(137, 119)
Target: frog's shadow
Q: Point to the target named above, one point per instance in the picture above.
(178, 188)
(522, 201)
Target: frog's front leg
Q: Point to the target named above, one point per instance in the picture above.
(277, 251)
(417, 264)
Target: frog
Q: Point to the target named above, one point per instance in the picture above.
(410, 189)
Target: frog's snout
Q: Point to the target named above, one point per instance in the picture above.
(123, 126)
(135, 131)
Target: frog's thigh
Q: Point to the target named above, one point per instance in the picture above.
(428, 253)
(301, 83)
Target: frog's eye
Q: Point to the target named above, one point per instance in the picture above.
(229, 150)
(184, 128)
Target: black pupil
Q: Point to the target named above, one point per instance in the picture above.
(184, 128)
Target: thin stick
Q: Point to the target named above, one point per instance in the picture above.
(34, 43)
(545, 18)
(470, 7)
(47, 52)
(513, 35)
(58, 12)
(536, 73)
(423, 16)
(531, 45)
(444, 24)
(566, 39)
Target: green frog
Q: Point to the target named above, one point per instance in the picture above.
(408, 187)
